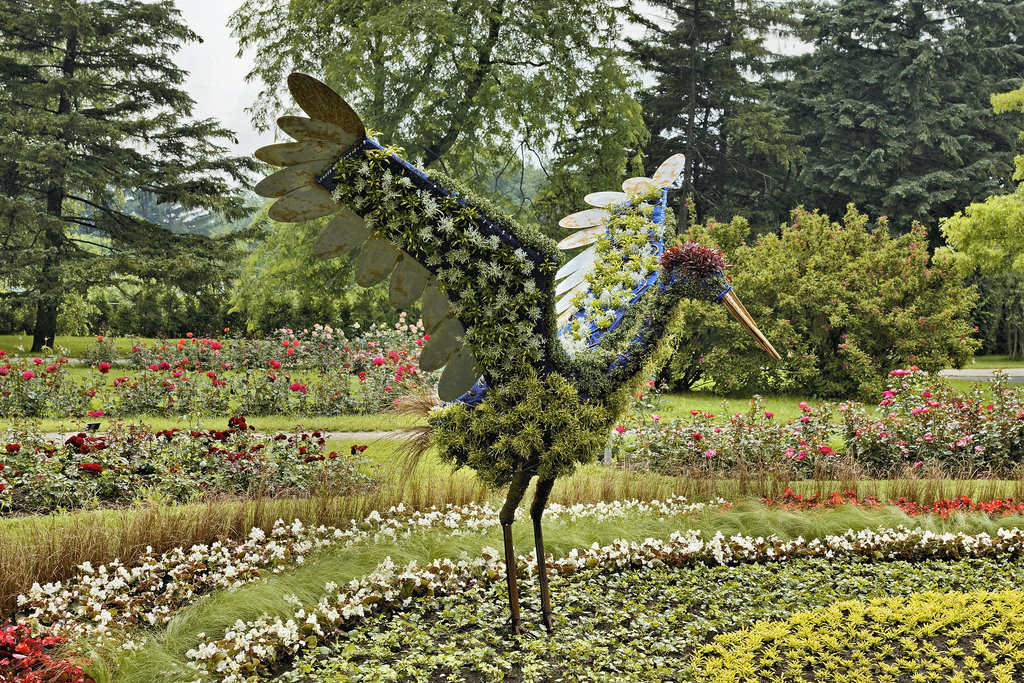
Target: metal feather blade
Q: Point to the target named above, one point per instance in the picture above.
(434, 308)
(459, 375)
(407, 282)
(603, 200)
(290, 153)
(585, 219)
(582, 238)
(303, 204)
(580, 261)
(290, 178)
(344, 233)
(302, 128)
(376, 261)
(669, 170)
(443, 343)
(321, 102)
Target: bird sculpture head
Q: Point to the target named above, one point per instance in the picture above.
(694, 271)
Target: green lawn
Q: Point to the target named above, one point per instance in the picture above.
(994, 362)
(19, 344)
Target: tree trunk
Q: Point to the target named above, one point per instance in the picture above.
(683, 220)
(49, 285)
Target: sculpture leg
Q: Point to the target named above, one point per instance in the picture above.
(516, 490)
(540, 500)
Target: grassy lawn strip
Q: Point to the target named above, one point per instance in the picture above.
(485, 611)
(945, 636)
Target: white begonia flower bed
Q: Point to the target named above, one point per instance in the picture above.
(102, 603)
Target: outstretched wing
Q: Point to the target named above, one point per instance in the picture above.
(484, 280)
(625, 235)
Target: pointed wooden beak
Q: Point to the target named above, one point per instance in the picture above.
(739, 311)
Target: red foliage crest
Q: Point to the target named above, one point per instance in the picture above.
(693, 259)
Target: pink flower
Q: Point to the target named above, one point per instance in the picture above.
(211, 374)
(620, 429)
(154, 366)
(918, 464)
(51, 368)
(695, 412)
(710, 453)
(28, 374)
(301, 388)
(95, 413)
(276, 364)
(926, 394)
(378, 361)
(650, 383)
(215, 345)
(655, 417)
(769, 415)
(899, 373)
(37, 361)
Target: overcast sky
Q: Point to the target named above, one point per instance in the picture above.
(216, 77)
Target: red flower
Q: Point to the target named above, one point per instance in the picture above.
(91, 467)
(37, 361)
(104, 367)
(276, 364)
(215, 345)
(211, 374)
(51, 368)
(28, 374)
(301, 388)
(13, 447)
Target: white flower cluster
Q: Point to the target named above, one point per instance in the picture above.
(249, 646)
(100, 603)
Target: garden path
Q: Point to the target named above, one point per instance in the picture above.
(1016, 375)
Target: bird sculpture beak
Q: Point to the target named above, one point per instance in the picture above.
(739, 311)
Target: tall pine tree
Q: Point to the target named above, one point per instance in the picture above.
(92, 110)
(711, 65)
(893, 104)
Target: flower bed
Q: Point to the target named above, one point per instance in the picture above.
(953, 636)
(28, 659)
(1000, 507)
(109, 602)
(920, 420)
(316, 372)
(133, 461)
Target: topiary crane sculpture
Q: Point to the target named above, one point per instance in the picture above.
(539, 358)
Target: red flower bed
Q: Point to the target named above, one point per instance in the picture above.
(998, 507)
(27, 659)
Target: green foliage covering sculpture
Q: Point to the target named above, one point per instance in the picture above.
(538, 355)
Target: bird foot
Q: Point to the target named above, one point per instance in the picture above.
(516, 628)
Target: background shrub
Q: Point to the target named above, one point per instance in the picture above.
(842, 303)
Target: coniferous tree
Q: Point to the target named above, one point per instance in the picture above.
(893, 104)
(712, 68)
(92, 110)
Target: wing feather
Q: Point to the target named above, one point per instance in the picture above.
(376, 261)
(303, 204)
(346, 231)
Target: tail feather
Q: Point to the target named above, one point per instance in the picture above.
(416, 439)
